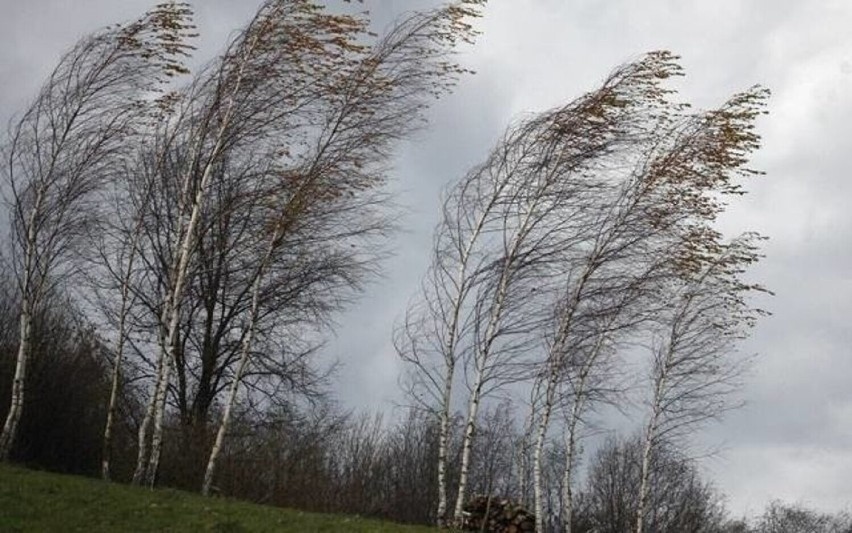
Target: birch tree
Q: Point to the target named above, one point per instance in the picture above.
(113, 252)
(440, 321)
(380, 102)
(261, 88)
(95, 104)
(452, 323)
(711, 150)
(695, 370)
(122, 268)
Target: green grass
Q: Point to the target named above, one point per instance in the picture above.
(39, 501)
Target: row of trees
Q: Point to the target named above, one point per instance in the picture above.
(590, 229)
(311, 455)
(208, 229)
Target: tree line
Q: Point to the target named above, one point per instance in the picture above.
(180, 243)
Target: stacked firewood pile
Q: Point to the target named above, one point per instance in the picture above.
(497, 516)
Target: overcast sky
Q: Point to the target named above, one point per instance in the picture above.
(794, 438)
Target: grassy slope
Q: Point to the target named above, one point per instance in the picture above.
(38, 501)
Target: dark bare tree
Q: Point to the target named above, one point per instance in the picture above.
(781, 518)
(680, 502)
(269, 191)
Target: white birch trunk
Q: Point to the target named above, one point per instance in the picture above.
(10, 427)
(28, 301)
(119, 357)
(180, 274)
(549, 398)
(570, 449)
(443, 444)
(578, 404)
(142, 441)
(473, 410)
(449, 358)
(470, 427)
(557, 359)
(541, 435)
(647, 448)
(245, 356)
(643, 483)
(523, 456)
(643, 486)
(144, 427)
(173, 313)
(157, 433)
(482, 359)
(473, 407)
(113, 394)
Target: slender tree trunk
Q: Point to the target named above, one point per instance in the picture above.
(541, 435)
(643, 483)
(647, 448)
(443, 445)
(571, 434)
(145, 426)
(28, 300)
(523, 458)
(245, 356)
(142, 441)
(470, 426)
(475, 398)
(482, 358)
(159, 403)
(119, 359)
(181, 271)
(570, 448)
(113, 396)
(449, 357)
(10, 427)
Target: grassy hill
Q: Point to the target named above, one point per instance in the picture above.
(39, 501)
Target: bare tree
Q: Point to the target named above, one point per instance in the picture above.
(571, 227)
(112, 253)
(781, 518)
(94, 106)
(694, 370)
(465, 293)
(706, 309)
(604, 273)
(681, 500)
(439, 320)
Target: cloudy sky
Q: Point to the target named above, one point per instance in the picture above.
(794, 438)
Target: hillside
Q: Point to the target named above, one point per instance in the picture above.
(39, 501)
